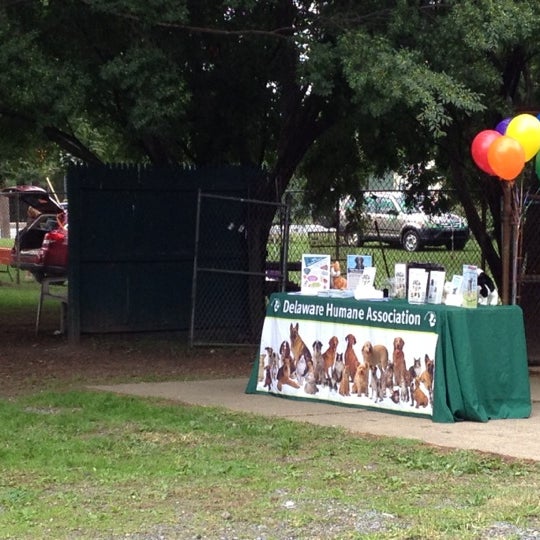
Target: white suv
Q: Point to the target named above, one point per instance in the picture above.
(386, 216)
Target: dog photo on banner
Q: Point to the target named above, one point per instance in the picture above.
(348, 364)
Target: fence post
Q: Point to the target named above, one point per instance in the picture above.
(285, 243)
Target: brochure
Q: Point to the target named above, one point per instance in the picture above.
(365, 287)
(356, 265)
(315, 273)
(417, 285)
(469, 286)
(436, 286)
(400, 280)
(455, 286)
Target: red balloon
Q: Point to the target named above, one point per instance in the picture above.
(480, 147)
(506, 157)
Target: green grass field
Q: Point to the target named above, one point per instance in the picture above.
(95, 465)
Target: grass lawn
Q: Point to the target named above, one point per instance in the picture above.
(92, 465)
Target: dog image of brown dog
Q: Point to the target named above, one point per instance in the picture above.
(285, 352)
(329, 357)
(284, 375)
(400, 368)
(426, 377)
(361, 380)
(351, 360)
(375, 355)
(298, 347)
(344, 385)
(420, 398)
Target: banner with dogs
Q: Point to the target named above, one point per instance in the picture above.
(371, 354)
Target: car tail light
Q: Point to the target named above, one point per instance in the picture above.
(51, 238)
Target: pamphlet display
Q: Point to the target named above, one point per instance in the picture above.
(418, 283)
(356, 265)
(315, 273)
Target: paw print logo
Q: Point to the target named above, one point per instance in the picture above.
(277, 305)
(431, 318)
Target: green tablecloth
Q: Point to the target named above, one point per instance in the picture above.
(483, 372)
(481, 369)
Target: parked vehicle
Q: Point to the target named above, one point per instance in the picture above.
(41, 247)
(391, 219)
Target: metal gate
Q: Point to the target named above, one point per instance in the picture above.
(229, 272)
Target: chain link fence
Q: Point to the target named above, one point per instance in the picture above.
(346, 231)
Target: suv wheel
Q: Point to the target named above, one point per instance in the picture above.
(410, 241)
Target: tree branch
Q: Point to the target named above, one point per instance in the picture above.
(282, 33)
(71, 144)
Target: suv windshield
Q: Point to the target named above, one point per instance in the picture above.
(382, 204)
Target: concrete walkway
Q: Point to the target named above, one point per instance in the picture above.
(514, 438)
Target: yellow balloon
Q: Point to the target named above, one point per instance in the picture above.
(525, 128)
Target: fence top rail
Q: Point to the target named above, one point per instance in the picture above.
(240, 199)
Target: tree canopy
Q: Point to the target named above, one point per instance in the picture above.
(330, 90)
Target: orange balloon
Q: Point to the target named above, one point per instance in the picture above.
(506, 157)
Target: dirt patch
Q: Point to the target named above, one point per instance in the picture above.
(30, 363)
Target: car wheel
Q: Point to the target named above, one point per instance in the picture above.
(457, 245)
(410, 241)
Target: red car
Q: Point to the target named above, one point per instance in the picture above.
(41, 247)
